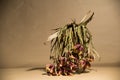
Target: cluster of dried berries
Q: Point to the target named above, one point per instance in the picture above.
(74, 61)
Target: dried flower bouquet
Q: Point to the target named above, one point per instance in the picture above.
(72, 50)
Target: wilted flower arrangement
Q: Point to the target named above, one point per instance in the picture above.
(72, 50)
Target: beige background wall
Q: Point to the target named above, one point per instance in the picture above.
(26, 24)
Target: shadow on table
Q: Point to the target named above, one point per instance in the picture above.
(44, 71)
(38, 68)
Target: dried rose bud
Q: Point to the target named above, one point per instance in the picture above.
(82, 63)
(76, 46)
(81, 48)
(49, 68)
(62, 61)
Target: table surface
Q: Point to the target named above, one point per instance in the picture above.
(98, 73)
